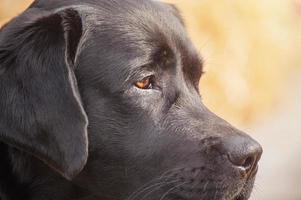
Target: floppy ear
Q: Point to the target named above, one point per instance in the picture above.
(41, 111)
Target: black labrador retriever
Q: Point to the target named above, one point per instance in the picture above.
(99, 100)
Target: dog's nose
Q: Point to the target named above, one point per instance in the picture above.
(243, 152)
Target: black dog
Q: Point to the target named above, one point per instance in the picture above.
(99, 100)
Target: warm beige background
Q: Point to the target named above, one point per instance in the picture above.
(250, 47)
(252, 58)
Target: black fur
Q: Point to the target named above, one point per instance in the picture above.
(73, 125)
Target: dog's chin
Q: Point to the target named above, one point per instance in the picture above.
(241, 190)
(238, 194)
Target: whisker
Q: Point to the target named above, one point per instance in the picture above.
(144, 185)
(163, 184)
(147, 186)
(170, 190)
(169, 171)
(205, 186)
(163, 176)
(216, 191)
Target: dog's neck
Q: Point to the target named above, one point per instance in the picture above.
(10, 187)
(24, 177)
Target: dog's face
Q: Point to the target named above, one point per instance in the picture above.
(127, 88)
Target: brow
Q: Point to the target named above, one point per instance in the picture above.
(192, 64)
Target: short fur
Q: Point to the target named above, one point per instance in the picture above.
(73, 125)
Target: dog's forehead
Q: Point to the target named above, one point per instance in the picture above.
(142, 27)
(122, 15)
(141, 24)
(125, 35)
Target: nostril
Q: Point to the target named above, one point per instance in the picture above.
(244, 162)
(246, 159)
(248, 163)
(243, 152)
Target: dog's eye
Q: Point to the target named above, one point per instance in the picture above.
(146, 83)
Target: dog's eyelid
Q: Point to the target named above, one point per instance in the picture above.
(142, 71)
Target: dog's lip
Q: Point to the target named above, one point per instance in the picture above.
(240, 197)
(254, 172)
(240, 194)
(251, 176)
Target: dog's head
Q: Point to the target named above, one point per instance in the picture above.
(106, 93)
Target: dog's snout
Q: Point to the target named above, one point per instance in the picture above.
(243, 152)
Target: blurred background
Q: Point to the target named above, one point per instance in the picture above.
(252, 59)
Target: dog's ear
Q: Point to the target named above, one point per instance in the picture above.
(41, 111)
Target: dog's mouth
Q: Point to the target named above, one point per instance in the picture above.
(243, 195)
(227, 189)
(248, 186)
(180, 186)
(212, 194)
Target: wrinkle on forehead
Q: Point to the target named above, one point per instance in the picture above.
(135, 32)
(140, 22)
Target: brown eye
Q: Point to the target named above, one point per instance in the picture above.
(144, 84)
